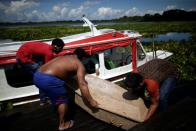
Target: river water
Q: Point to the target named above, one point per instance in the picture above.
(170, 36)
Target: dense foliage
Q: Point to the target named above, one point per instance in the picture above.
(184, 56)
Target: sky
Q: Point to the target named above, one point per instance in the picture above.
(59, 10)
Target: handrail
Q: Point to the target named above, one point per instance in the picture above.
(92, 27)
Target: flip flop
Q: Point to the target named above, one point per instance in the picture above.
(70, 125)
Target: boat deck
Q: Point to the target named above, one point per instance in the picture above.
(31, 117)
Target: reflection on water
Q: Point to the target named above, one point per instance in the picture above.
(174, 36)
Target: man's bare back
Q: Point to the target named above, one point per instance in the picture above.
(59, 69)
(62, 66)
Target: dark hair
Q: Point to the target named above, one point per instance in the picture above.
(80, 53)
(133, 80)
(58, 42)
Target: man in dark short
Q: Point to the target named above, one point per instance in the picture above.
(153, 82)
(51, 79)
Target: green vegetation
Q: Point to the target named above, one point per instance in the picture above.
(145, 28)
(184, 56)
(32, 33)
(184, 52)
(148, 28)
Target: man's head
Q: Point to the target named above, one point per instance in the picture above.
(80, 53)
(57, 45)
(134, 81)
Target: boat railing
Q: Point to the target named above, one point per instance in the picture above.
(92, 27)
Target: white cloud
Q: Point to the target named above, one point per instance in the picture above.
(25, 10)
(17, 6)
(76, 13)
(56, 9)
(106, 13)
(152, 12)
(170, 7)
(133, 12)
(2, 6)
(88, 4)
(110, 13)
(15, 10)
(192, 9)
(64, 12)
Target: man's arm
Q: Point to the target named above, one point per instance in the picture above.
(83, 85)
(154, 102)
(153, 107)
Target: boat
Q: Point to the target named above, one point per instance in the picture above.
(113, 54)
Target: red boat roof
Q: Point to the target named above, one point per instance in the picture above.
(91, 45)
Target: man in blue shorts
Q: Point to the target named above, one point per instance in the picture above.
(51, 79)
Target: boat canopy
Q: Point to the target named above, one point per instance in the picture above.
(91, 45)
(99, 43)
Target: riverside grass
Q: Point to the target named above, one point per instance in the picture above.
(184, 51)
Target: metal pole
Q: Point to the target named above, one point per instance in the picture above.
(134, 55)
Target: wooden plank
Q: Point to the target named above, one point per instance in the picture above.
(110, 99)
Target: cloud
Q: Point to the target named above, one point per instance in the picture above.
(106, 13)
(170, 7)
(26, 10)
(15, 10)
(88, 4)
(74, 13)
(17, 6)
(133, 12)
(192, 9)
(110, 13)
(64, 12)
(77, 13)
(2, 6)
(56, 9)
(152, 12)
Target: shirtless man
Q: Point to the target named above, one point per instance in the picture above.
(51, 79)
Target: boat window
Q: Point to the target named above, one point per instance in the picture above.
(117, 57)
(140, 53)
(17, 77)
(90, 63)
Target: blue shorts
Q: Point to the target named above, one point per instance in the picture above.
(53, 86)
